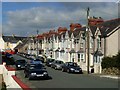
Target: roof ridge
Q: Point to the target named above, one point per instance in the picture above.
(112, 20)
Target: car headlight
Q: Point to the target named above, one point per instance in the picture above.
(45, 73)
(33, 73)
(72, 69)
(18, 65)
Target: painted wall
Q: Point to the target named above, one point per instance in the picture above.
(13, 45)
(7, 75)
(1, 43)
(1, 69)
(112, 44)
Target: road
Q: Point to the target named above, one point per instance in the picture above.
(64, 80)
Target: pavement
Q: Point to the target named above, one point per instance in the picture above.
(0, 81)
(110, 76)
(107, 76)
(104, 75)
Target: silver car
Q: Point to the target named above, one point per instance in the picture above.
(57, 64)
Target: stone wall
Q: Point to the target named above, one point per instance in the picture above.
(111, 71)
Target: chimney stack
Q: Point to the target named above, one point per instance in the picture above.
(73, 26)
(95, 20)
(62, 29)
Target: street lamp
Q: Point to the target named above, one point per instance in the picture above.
(88, 41)
(37, 43)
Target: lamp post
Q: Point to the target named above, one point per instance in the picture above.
(37, 43)
(88, 41)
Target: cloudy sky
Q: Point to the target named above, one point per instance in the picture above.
(24, 18)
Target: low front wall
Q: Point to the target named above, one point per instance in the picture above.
(97, 68)
(11, 80)
(1, 69)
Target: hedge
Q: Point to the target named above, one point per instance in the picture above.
(109, 62)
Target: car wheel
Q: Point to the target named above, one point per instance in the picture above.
(29, 78)
(25, 76)
(55, 68)
(68, 71)
(63, 70)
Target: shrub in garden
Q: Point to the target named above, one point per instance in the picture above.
(107, 62)
(111, 64)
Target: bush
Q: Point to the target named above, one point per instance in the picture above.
(110, 62)
(107, 62)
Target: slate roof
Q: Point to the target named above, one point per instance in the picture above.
(77, 31)
(69, 33)
(22, 44)
(108, 26)
(93, 29)
(72, 51)
(98, 53)
(12, 39)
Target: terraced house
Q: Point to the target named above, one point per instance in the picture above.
(71, 45)
(10, 42)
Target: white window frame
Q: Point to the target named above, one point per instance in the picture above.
(82, 57)
(78, 57)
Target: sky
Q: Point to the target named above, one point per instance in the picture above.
(25, 18)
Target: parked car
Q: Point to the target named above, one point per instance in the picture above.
(35, 69)
(71, 67)
(49, 62)
(41, 61)
(20, 64)
(30, 56)
(8, 55)
(40, 58)
(57, 64)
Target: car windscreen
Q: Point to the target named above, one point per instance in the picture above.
(21, 61)
(50, 60)
(60, 62)
(73, 64)
(36, 66)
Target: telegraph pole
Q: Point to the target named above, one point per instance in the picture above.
(37, 42)
(88, 41)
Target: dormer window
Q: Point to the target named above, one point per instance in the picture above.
(99, 42)
(81, 43)
(91, 42)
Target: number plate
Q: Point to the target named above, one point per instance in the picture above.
(40, 75)
(76, 70)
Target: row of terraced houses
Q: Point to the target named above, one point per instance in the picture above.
(71, 45)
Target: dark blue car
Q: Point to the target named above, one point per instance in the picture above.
(20, 64)
(35, 69)
(71, 67)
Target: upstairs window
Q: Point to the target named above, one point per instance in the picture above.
(91, 42)
(82, 43)
(99, 42)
